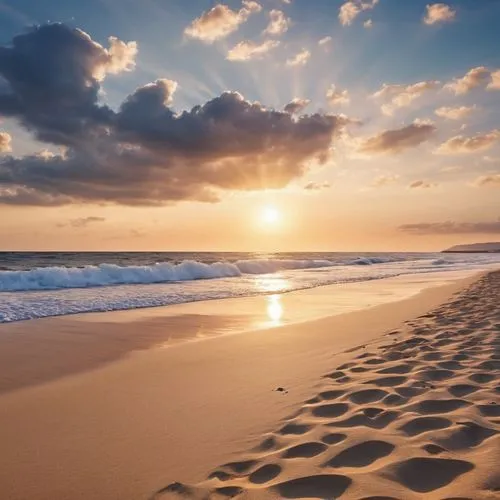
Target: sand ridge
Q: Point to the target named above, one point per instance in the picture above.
(414, 416)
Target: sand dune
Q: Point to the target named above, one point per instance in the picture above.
(415, 415)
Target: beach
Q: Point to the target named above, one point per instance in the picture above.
(395, 398)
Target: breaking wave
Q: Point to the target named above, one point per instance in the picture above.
(53, 278)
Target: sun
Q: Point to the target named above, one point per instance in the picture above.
(270, 215)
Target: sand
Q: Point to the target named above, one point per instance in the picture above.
(398, 401)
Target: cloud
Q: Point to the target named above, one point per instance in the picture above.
(384, 180)
(457, 113)
(53, 75)
(246, 50)
(334, 96)
(317, 186)
(462, 145)
(82, 222)
(297, 105)
(220, 21)
(451, 227)
(299, 59)
(5, 140)
(439, 13)
(495, 81)
(476, 77)
(352, 8)
(421, 185)
(278, 23)
(144, 153)
(398, 140)
(326, 40)
(492, 180)
(368, 23)
(400, 96)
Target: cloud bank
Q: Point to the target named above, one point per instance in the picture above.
(352, 8)
(463, 145)
(144, 153)
(450, 227)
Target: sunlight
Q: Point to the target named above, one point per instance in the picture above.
(270, 215)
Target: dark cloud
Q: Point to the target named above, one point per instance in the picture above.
(144, 153)
(52, 78)
(396, 141)
(421, 185)
(450, 227)
(83, 221)
(316, 186)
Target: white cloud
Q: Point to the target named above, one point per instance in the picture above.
(220, 21)
(368, 23)
(462, 145)
(278, 23)
(297, 105)
(299, 59)
(325, 41)
(457, 113)
(495, 81)
(246, 50)
(439, 13)
(400, 96)
(335, 96)
(476, 77)
(352, 8)
(385, 180)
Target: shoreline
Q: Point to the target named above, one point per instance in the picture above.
(88, 341)
(125, 429)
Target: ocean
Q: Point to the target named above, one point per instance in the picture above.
(40, 284)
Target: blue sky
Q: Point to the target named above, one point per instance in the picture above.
(387, 42)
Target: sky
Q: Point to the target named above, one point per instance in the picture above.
(254, 125)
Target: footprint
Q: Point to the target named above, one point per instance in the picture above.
(387, 381)
(404, 368)
(438, 472)
(317, 486)
(220, 475)
(304, 450)
(394, 400)
(295, 429)
(467, 435)
(439, 405)
(367, 396)
(265, 474)
(435, 375)
(491, 410)
(460, 390)
(375, 361)
(361, 455)
(240, 467)
(333, 438)
(229, 491)
(379, 422)
(330, 410)
(433, 449)
(329, 395)
(482, 378)
(420, 425)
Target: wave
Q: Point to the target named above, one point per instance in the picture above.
(53, 278)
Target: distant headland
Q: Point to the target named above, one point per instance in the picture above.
(475, 248)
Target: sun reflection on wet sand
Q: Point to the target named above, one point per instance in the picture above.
(274, 309)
